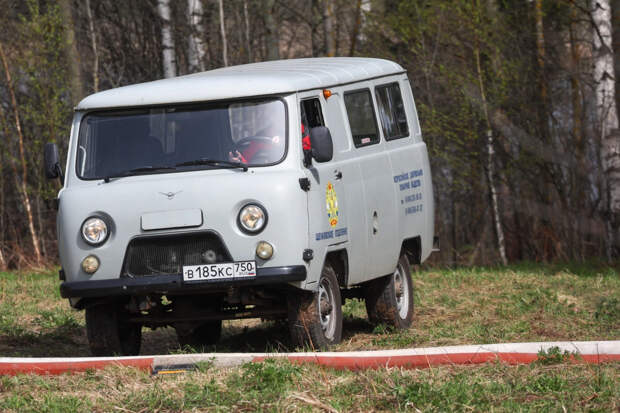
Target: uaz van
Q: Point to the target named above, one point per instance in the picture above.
(271, 190)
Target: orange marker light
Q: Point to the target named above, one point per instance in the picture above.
(327, 93)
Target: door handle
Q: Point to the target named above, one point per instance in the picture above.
(337, 174)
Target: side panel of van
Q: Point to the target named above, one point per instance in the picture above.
(410, 170)
(380, 252)
(328, 203)
(426, 220)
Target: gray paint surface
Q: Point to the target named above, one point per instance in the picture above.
(138, 205)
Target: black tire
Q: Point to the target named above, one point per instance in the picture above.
(308, 325)
(108, 334)
(205, 334)
(389, 299)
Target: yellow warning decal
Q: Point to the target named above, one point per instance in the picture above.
(331, 201)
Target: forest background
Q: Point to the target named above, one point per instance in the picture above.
(516, 98)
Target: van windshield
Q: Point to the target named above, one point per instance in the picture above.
(154, 140)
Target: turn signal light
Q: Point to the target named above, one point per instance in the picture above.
(264, 250)
(90, 264)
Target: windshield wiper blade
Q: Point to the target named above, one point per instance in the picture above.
(214, 162)
(138, 171)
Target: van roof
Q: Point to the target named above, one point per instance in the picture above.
(255, 79)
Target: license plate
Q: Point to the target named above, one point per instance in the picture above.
(223, 271)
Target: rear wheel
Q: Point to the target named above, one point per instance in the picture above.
(203, 335)
(389, 299)
(315, 319)
(109, 334)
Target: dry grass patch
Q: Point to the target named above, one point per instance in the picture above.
(461, 306)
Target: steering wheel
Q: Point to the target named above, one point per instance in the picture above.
(262, 155)
(242, 143)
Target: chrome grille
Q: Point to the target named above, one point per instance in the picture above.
(147, 256)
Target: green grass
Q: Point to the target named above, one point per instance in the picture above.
(282, 386)
(525, 302)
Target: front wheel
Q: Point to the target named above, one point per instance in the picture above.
(109, 334)
(315, 319)
(389, 299)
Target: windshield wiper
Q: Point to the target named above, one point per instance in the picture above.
(137, 171)
(213, 162)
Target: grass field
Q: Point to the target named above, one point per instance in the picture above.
(465, 306)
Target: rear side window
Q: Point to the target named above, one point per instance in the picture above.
(392, 111)
(361, 116)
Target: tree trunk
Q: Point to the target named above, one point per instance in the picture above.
(75, 70)
(315, 24)
(540, 48)
(607, 115)
(93, 45)
(328, 25)
(356, 27)
(167, 41)
(580, 172)
(615, 9)
(490, 170)
(196, 44)
(21, 182)
(3, 263)
(223, 33)
(271, 27)
(246, 20)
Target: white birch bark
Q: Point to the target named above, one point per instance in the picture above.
(223, 32)
(167, 42)
(490, 170)
(607, 112)
(196, 46)
(21, 182)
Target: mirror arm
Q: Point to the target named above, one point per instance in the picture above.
(307, 157)
(60, 173)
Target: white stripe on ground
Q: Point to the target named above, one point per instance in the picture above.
(231, 359)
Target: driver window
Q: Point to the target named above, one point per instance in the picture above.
(311, 114)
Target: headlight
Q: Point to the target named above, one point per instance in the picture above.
(95, 231)
(252, 218)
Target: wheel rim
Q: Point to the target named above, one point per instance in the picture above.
(401, 292)
(326, 308)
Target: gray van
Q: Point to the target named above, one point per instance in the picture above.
(272, 190)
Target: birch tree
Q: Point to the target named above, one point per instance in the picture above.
(167, 41)
(607, 113)
(196, 43)
(490, 164)
(223, 33)
(21, 177)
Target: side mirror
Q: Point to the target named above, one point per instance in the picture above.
(52, 162)
(322, 145)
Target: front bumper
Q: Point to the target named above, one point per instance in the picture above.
(169, 284)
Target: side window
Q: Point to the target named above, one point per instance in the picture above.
(311, 115)
(361, 118)
(392, 111)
